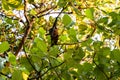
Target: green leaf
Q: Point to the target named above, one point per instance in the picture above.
(99, 75)
(87, 67)
(66, 75)
(105, 51)
(77, 11)
(1, 78)
(116, 30)
(6, 70)
(25, 63)
(103, 20)
(33, 12)
(97, 45)
(117, 73)
(4, 5)
(101, 28)
(90, 13)
(62, 3)
(112, 23)
(54, 51)
(63, 38)
(12, 58)
(17, 75)
(82, 27)
(89, 48)
(14, 3)
(113, 15)
(67, 20)
(87, 43)
(54, 61)
(9, 21)
(41, 44)
(116, 54)
(68, 54)
(71, 63)
(74, 74)
(30, 1)
(36, 53)
(4, 46)
(103, 55)
(72, 34)
(78, 54)
(102, 59)
(73, 57)
(42, 32)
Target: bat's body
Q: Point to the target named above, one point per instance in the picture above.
(53, 32)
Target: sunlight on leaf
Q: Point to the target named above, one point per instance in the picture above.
(41, 44)
(4, 46)
(25, 76)
(116, 54)
(66, 20)
(90, 13)
(72, 34)
(12, 58)
(17, 75)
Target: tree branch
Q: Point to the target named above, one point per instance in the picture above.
(52, 68)
(5, 75)
(48, 13)
(28, 29)
(25, 12)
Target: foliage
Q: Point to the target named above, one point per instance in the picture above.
(88, 47)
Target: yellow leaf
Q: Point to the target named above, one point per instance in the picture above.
(25, 76)
(0, 21)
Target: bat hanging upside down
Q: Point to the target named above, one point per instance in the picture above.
(53, 32)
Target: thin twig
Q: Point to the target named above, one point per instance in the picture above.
(55, 71)
(13, 17)
(73, 43)
(48, 13)
(5, 75)
(52, 68)
(38, 6)
(40, 76)
(47, 9)
(30, 61)
(60, 51)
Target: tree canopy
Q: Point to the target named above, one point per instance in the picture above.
(87, 47)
